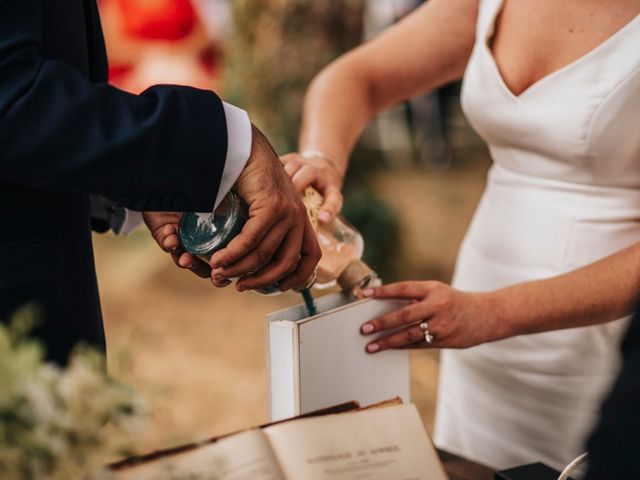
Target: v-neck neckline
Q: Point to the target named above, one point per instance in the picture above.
(490, 31)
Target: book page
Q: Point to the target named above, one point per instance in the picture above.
(377, 444)
(244, 456)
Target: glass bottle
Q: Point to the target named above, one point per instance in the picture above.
(342, 248)
(203, 234)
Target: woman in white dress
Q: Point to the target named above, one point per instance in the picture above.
(550, 265)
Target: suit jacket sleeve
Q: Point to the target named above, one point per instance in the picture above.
(162, 150)
(613, 447)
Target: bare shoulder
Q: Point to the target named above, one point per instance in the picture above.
(453, 15)
(427, 49)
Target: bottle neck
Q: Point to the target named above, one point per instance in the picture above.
(356, 277)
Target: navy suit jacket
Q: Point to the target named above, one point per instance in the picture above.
(66, 134)
(613, 447)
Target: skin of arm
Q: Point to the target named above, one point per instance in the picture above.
(396, 65)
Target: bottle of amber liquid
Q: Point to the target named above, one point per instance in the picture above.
(342, 248)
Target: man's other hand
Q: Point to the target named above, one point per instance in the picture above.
(164, 229)
(277, 244)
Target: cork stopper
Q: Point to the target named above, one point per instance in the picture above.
(355, 276)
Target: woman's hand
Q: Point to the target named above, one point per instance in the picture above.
(322, 174)
(455, 319)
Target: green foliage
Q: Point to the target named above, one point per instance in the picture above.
(55, 423)
(276, 49)
(379, 227)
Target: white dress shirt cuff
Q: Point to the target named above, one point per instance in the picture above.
(239, 138)
(131, 221)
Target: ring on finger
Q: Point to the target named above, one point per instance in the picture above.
(428, 337)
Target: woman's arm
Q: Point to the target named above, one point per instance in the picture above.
(597, 293)
(427, 49)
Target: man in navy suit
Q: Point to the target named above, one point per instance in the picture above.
(66, 135)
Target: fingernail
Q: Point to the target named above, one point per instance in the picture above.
(373, 347)
(367, 292)
(367, 328)
(324, 216)
(219, 278)
(241, 288)
(192, 266)
(225, 283)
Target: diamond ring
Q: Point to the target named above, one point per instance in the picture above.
(424, 326)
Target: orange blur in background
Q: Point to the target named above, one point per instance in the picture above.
(158, 41)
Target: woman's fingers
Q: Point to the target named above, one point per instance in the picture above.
(304, 177)
(407, 315)
(421, 308)
(322, 175)
(292, 167)
(410, 336)
(454, 319)
(408, 290)
(287, 157)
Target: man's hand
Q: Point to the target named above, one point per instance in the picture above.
(164, 229)
(277, 244)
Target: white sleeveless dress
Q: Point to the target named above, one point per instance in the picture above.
(563, 192)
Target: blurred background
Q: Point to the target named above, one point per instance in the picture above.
(197, 353)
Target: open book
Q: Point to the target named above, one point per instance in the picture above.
(387, 442)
